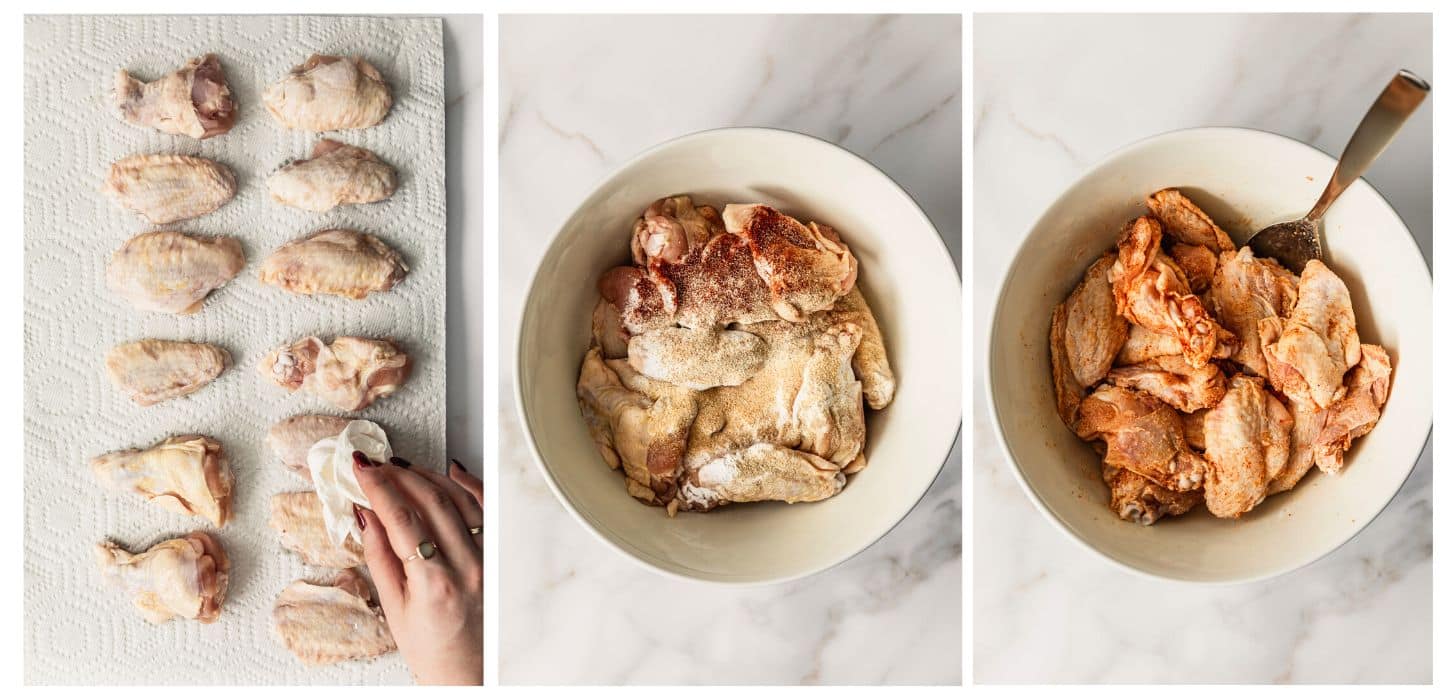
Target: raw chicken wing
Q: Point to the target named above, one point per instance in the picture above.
(1354, 414)
(1309, 353)
(326, 624)
(350, 372)
(1173, 381)
(1140, 500)
(298, 518)
(187, 474)
(336, 174)
(336, 261)
(1247, 290)
(291, 439)
(192, 101)
(152, 371)
(1143, 435)
(183, 578)
(329, 92)
(1247, 436)
(169, 188)
(1186, 223)
(1095, 331)
(172, 272)
(1152, 292)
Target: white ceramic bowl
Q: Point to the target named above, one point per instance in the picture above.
(906, 275)
(1245, 180)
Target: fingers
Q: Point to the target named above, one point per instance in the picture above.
(464, 500)
(399, 521)
(384, 567)
(459, 475)
(436, 507)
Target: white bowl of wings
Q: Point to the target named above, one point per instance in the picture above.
(1192, 411)
(845, 499)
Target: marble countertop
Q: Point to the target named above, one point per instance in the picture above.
(579, 95)
(1052, 95)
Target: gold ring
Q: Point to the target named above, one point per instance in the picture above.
(475, 530)
(423, 550)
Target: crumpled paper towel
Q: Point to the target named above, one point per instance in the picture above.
(78, 630)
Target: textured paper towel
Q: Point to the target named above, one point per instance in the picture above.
(77, 630)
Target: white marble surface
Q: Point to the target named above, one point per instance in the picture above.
(579, 95)
(1052, 95)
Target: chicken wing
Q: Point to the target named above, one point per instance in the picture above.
(187, 474)
(336, 174)
(1186, 223)
(806, 268)
(1143, 435)
(335, 261)
(1153, 293)
(762, 472)
(1354, 414)
(1173, 381)
(298, 519)
(644, 436)
(172, 272)
(697, 358)
(1140, 500)
(1198, 264)
(169, 188)
(1308, 353)
(1245, 291)
(1066, 387)
(183, 578)
(1306, 429)
(329, 92)
(350, 372)
(1247, 436)
(326, 624)
(1095, 331)
(191, 101)
(152, 371)
(291, 439)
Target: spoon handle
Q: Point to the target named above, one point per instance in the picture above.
(1401, 97)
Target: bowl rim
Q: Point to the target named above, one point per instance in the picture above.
(624, 548)
(989, 337)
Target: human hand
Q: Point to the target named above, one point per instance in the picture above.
(431, 599)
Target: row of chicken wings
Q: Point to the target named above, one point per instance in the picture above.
(1202, 373)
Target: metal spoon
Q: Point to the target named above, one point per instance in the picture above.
(1294, 243)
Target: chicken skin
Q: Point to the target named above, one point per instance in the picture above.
(1173, 381)
(1094, 329)
(1186, 223)
(349, 373)
(166, 189)
(1246, 290)
(1140, 500)
(172, 272)
(1153, 293)
(1142, 435)
(1366, 388)
(187, 474)
(326, 624)
(191, 101)
(325, 93)
(340, 262)
(183, 578)
(291, 439)
(336, 174)
(1247, 439)
(1309, 353)
(298, 518)
(152, 371)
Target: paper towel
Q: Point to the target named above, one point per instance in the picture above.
(78, 630)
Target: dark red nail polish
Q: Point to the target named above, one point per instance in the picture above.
(359, 517)
(362, 460)
(399, 462)
(455, 464)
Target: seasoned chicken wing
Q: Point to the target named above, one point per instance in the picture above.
(172, 272)
(1197, 263)
(191, 101)
(169, 188)
(1247, 290)
(326, 624)
(350, 372)
(298, 518)
(1066, 387)
(644, 436)
(1354, 414)
(1143, 345)
(335, 261)
(1153, 293)
(697, 358)
(806, 268)
(183, 578)
(152, 371)
(1186, 223)
(1173, 381)
(1095, 331)
(1140, 500)
(336, 174)
(1309, 353)
(761, 472)
(1306, 429)
(187, 474)
(1247, 437)
(329, 92)
(1143, 435)
(291, 439)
